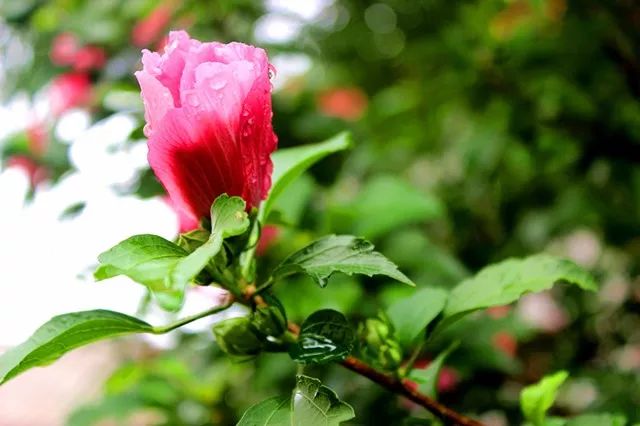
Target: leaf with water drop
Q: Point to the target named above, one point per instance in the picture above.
(325, 336)
(338, 253)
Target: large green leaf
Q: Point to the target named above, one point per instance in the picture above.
(314, 404)
(387, 202)
(237, 337)
(536, 399)
(505, 282)
(290, 163)
(63, 333)
(411, 315)
(325, 336)
(228, 219)
(274, 411)
(339, 253)
(146, 259)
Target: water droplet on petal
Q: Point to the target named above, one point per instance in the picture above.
(146, 130)
(250, 121)
(245, 112)
(272, 72)
(217, 84)
(192, 99)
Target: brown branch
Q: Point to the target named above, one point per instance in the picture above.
(401, 387)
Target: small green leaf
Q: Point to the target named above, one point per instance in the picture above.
(146, 259)
(236, 337)
(339, 253)
(314, 404)
(325, 336)
(505, 282)
(228, 219)
(290, 163)
(64, 333)
(411, 315)
(536, 399)
(274, 411)
(427, 378)
(597, 420)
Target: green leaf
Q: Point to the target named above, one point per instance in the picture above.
(339, 253)
(387, 202)
(427, 378)
(536, 399)
(411, 315)
(314, 404)
(274, 411)
(236, 337)
(64, 333)
(290, 163)
(597, 420)
(146, 259)
(505, 282)
(325, 336)
(228, 219)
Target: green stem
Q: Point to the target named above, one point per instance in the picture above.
(412, 359)
(187, 320)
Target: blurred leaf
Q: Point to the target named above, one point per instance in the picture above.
(290, 163)
(338, 253)
(290, 204)
(228, 219)
(324, 337)
(387, 203)
(111, 407)
(504, 282)
(597, 420)
(146, 259)
(427, 378)
(536, 399)
(411, 315)
(274, 411)
(64, 333)
(236, 337)
(314, 404)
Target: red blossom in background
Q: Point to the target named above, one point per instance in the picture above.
(68, 91)
(152, 27)
(505, 342)
(37, 138)
(208, 114)
(448, 378)
(89, 57)
(268, 237)
(347, 103)
(67, 50)
(34, 171)
(64, 49)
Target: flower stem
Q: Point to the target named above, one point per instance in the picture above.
(187, 320)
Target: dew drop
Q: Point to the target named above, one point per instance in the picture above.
(272, 72)
(146, 130)
(217, 84)
(250, 121)
(245, 112)
(192, 99)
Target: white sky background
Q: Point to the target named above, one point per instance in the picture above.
(46, 263)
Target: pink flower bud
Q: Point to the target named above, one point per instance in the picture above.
(208, 114)
(69, 90)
